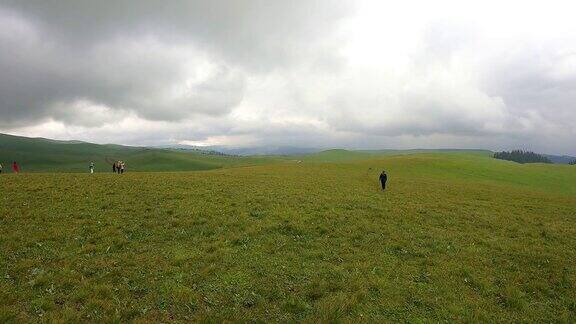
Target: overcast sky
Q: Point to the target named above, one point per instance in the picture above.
(310, 73)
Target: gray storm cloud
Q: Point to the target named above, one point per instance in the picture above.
(303, 73)
(164, 61)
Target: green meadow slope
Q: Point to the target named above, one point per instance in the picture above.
(341, 155)
(44, 155)
(457, 237)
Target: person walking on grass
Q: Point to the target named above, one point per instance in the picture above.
(91, 167)
(15, 167)
(122, 167)
(114, 167)
(383, 179)
(0, 167)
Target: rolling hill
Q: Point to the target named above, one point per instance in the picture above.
(45, 155)
(341, 155)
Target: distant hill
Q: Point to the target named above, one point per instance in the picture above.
(248, 151)
(556, 159)
(340, 155)
(45, 155)
(560, 159)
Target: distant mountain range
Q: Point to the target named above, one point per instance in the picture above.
(560, 159)
(246, 151)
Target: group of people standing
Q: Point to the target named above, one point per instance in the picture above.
(15, 167)
(118, 167)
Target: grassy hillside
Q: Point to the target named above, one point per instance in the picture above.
(43, 155)
(457, 237)
(340, 155)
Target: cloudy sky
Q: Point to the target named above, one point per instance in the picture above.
(309, 73)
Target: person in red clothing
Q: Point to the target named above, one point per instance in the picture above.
(15, 167)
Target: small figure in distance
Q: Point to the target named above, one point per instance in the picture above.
(118, 163)
(15, 167)
(114, 167)
(0, 167)
(122, 167)
(383, 179)
(91, 167)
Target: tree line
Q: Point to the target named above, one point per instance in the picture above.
(521, 156)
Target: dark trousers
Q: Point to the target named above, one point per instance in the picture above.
(383, 184)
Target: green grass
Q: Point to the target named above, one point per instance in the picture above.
(457, 237)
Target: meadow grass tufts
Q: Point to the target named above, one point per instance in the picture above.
(454, 238)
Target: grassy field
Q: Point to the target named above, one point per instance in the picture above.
(457, 237)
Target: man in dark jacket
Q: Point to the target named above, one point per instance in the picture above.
(383, 179)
